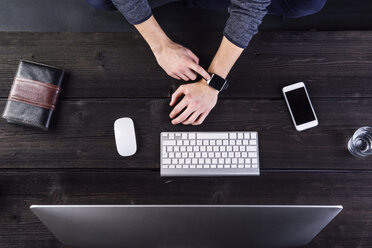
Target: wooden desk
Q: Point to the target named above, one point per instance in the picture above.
(112, 75)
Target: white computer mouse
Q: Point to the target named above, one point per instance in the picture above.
(125, 136)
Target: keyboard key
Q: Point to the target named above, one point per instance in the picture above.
(192, 135)
(169, 142)
(252, 154)
(240, 135)
(253, 135)
(208, 135)
(251, 148)
(253, 142)
(184, 136)
(246, 135)
(166, 161)
(232, 135)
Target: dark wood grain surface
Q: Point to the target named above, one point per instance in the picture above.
(20, 228)
(83, 135)
(112, 75)
(333, 64)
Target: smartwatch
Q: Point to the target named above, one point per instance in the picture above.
(217, 82)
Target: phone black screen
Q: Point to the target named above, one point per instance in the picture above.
(300, 106)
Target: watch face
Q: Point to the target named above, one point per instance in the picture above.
(218, 82)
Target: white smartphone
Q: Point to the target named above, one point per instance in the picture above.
(300, 107)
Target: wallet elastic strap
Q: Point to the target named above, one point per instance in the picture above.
(33, 92)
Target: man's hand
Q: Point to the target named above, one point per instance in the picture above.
(199, 99)
(179, 62)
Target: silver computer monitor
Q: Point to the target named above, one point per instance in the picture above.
(196, 226)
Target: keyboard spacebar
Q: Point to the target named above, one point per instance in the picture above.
(209, 135)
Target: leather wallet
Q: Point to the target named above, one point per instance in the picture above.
(33, 97)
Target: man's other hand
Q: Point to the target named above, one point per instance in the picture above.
(179, 62)
(199, 99)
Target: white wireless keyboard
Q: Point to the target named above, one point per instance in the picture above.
(209, 154)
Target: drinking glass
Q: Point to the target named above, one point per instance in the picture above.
(360, 145)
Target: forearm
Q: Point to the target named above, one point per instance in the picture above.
(153, 34)
(225, 58)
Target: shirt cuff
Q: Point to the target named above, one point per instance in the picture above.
(234, 41)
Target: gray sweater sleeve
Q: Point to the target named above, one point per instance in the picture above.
(135, 11)
(245, 17)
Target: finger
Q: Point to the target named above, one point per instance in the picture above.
(184, 77)
(190, 74)
(193, 56)
(200, 119)
(179, 92)
(175, 76)
(179, 107)
(183, 116)
(198, 69)
(192, 118)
